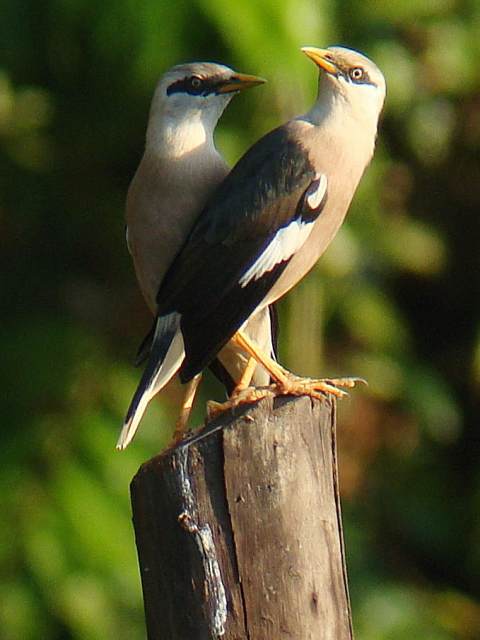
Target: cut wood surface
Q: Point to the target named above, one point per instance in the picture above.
(239, 532)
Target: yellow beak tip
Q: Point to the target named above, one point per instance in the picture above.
(241, 81)
(321, 57)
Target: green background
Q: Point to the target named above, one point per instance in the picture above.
(395, 299)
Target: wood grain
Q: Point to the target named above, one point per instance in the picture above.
(238, 531)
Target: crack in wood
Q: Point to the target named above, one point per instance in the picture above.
(214, 589)
(234, 549)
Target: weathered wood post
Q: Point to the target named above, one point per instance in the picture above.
(239, 532)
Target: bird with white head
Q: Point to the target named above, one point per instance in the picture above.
(179, 170)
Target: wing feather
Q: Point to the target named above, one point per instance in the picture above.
(267, 195)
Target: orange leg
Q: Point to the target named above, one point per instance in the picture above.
(182, 421)
(288, 383)
(241, 394)
(247, 375)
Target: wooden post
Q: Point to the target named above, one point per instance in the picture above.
(239, 531)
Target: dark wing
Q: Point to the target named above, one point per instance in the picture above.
(231, 260)
(222, 374)
(215, 366)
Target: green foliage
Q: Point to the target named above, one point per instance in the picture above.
(394, 300)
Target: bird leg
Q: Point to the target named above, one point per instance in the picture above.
(181, 424)
(242, 393)
(247, 376)
(287, 383)
(276, 371)
(290, 384)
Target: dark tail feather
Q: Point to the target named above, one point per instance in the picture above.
(219, 371)
(145, 346)
(222, 375)
(156, 375)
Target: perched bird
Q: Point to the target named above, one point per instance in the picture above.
(179, 170)
(268, 223)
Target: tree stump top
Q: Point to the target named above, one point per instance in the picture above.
(239, 530)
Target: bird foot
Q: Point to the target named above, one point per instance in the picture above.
(292, 386)
(316, 388)
(242, 396)
(181, 430)
(179, 434)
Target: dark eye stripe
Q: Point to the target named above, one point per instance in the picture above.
(185, 86)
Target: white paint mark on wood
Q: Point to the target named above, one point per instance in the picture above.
(214, 589)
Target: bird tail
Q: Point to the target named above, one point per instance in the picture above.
(166, 356)
(146, 346)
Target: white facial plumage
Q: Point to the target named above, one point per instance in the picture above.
(187, 104)
(350, 80)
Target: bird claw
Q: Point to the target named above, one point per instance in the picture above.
(349, 382)
(308, 387)
(243, 396)
(180, 433)
(317, 388)
(214, 409)
(293, 385)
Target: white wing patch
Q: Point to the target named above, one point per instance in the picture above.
(316, 191)
(288, 240)
(283, 245)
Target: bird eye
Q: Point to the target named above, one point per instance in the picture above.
(356, 74)
(195, 82)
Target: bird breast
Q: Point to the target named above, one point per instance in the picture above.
(344, 169)
(162, 206)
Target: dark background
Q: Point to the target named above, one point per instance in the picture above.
(395, 299)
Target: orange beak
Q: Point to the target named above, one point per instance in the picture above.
(239, 82)
(323, 58)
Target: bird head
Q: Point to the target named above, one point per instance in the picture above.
(351, 76)
(199, 90)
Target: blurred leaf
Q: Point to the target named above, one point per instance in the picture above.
(400, 70)
(413, 246)
(21, 614)
(449, 42)
(372, 319)
(435, 405)
(430, 131)
(395, 613)
(86, 608)
(406, 11)
(385, 376)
